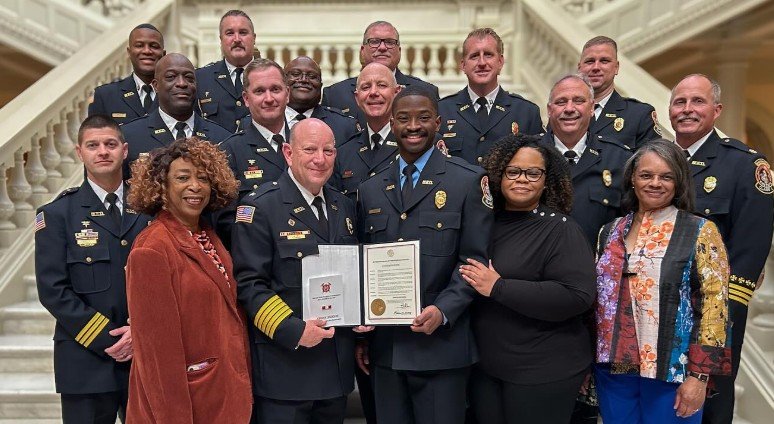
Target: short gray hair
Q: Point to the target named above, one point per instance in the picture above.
(673, 155)
(376, 24)
(714, 84)
(581, 77)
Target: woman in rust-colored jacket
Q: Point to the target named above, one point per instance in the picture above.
(191, 354)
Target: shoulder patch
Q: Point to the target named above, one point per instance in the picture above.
(245, 214)
(40, 221)
(632, 99)
(764, 181)
(338, 112)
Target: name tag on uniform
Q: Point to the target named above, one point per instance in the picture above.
(118, 115)
(159, 131)
(129, 94)
(222, 76)
(447, 135)
(205, 100)
(294, 235)
(374, 211)
(253, 173)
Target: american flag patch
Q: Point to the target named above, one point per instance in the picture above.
(245, 214)
(40, 222)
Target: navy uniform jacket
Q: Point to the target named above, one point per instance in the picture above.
(355, 162)
(342, 94)
(119, 100)
(275, 229)
(733, 189)
(461, 132)
(626, 120)
(448, 213)
(597, 182)
(79, 267)
(253, 162)
(150, 132)
(218, 99)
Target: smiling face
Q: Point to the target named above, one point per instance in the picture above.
(654, 182)
(186, 191)
(311, 154)
(266, 96)
(600, 64)
(389, 57)
(145, 48)
(570, 109)
(414, 123)
(375, 90)
(237, 40)
(522, 194)
(175, 85)
(693, 110)
(102, 153)
(305, 83)
(481, 63)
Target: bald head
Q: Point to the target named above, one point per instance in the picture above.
(175, 85)
(376, 68)
(375, 90)
(305, 83)
(311, 153)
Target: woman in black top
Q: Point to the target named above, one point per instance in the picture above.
(534, 347)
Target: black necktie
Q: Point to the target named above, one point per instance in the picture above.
(146, 103)
(376, 139)
(571, 156)
(596, 107)
(280, 140)
(408, 185)
(238, 81)
(300, 117)
(687, 154)
(113, 211)
(180, 130)
(482, 113)
(317, 203)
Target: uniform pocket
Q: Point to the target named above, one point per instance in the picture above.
(291, 252)
(439, 232)
(375, 228)
(89, 269)
(605, 196)
(209, 107)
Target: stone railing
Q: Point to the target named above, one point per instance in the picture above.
(111, 8)
(38, 131)
(581, 6)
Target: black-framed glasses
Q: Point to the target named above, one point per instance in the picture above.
(374, 43)
(532, 174)
(299, 75)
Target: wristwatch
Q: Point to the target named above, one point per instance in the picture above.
(699, 376)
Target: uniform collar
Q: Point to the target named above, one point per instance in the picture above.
(308, 196)
(290, 115)
(490, 98)
(384, 133)
(419, 163)
(170, 121)
(101, 194)
(602, 103)
(579, 147)
(693, 148)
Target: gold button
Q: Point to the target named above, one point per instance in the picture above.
(237, 121)
(439, 225)
(88, 259)
(299, 254)
(239, 103)
(372, 174)
(706, 211)
(403, 216)
(605, 201)
(480, 159)
(400, 239)
(255, 186)
(481, 139)
(124, 242)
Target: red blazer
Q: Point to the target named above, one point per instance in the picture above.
(191, 355)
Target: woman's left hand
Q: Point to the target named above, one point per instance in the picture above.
(690, 397)
(479, 276)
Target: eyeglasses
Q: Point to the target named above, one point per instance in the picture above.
(532, 174)
(374, 43)
(299, 75)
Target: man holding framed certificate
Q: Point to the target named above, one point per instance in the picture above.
(302, 369)
(420, 370)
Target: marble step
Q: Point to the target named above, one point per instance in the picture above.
(30, 283)
(28, 396)
(26, 318)
(26, 353)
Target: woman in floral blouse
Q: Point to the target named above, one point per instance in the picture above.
(662, 302)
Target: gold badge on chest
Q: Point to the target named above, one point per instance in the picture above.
(710, 183)
(607, 178)
(618, 124)
(440, 199)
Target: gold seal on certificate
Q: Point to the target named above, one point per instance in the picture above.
(378, 307)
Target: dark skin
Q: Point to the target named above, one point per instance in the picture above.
(175, 85)
(145, 48)
(304, 82)
(414, 123)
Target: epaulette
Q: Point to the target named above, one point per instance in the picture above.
(209, 64)
(613, 142)
(64, 193)
(134, 119)
(354, 137)
(380, 170)
(462, 163)
(518, 96)
(448, 96)
(732, 142)
(338, 112)
(265, 188)
(632, 99)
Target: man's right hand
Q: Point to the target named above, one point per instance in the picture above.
(314, 333)
(361, 356)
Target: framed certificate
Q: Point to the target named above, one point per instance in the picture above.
(376, 284)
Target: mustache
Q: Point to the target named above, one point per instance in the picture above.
(688, 118)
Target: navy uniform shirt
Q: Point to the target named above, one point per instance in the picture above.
(734, 189)
(342, 94)
(275, 229)
(597, 182)
(460, 129)
(450, 214)
(119, 100)
(355, 161)
(79, 266)
(150, 132)
(217, 96)
(627, 121)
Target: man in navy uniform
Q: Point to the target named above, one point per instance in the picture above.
(133, 96)
(483, 112)
(82, 240)
(255, 152)
(303, 371)
(420, 372)
(381, 43)
(175, 84)
(596, 162)
(625, 120)
(305, 84)
(375, 147)
(220, 83)
(734, 189)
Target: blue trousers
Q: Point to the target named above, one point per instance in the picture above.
(631, 399)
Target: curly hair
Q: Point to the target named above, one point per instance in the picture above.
(558, 186)
(147, 187)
